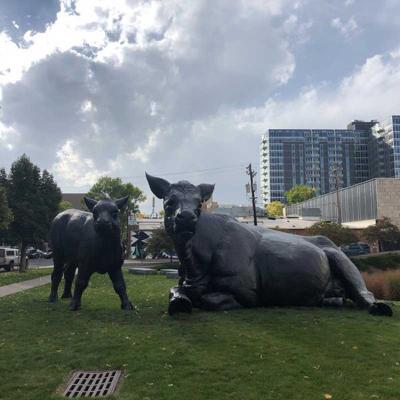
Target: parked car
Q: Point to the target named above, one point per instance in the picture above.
(36, 253)
(10, 258)
(355, 249)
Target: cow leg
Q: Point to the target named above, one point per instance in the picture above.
(56, 276)
(69, 276)
(81, 283)
(218, 301)
(118, 281)
(349, 276)
(178, 301)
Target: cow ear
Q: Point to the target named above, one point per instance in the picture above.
(160, 187)
(206, 191)
(121, 203)
(90, 203)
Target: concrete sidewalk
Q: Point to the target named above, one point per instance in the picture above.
(25, 285)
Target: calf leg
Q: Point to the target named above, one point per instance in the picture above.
(56, 276)
(218, 301)
(81, 283)
(118, 281)
(353, 283)
(69, 276)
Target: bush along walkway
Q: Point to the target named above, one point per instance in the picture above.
(24, 285)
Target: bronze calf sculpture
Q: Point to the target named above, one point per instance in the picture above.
(91, 242)
(226, 264)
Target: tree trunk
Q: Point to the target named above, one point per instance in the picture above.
(22, 264)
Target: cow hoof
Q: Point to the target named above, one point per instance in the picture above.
(127, 306)
(52, 299)
(74, 306)
(66, 296)
(179, 305)
(381, 309)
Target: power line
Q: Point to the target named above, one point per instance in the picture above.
(199, 171)
(214, 170)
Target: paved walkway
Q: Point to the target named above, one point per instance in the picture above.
(25, 285)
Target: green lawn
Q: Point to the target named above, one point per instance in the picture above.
(245, 354)
(6, 278)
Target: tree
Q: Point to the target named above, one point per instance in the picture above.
(337, 233)
(385, 233)
(160, 242)
(115, 188)
(33, 198)
(64, 205)
(5, 212)
(299, 193)
(275, 208)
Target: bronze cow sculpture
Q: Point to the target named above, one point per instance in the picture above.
(226, 264)
(91, 242)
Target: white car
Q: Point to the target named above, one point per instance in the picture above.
(9, 258)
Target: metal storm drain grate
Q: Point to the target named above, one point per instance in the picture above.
(92, 384)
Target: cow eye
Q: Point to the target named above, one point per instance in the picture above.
(169, 205)
(169, 208)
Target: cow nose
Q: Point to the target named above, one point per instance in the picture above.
(186, 216)
(102, 221)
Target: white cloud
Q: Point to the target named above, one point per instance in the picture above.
(74, 170)
(347, 29)
(370, 92)
(118, 80)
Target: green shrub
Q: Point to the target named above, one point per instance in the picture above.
(378, 262)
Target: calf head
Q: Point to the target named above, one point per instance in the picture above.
(105, 214)
(182, 204)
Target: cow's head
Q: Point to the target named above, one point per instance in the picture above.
(105, 213)
(182, 203)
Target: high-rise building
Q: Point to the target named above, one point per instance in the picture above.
(328, 158)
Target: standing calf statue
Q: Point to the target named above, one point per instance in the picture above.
(91, 242)
(226, 264)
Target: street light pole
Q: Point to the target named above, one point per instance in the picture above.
(339, 208)
(252, 174)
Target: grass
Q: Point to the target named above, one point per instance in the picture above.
(7, 278)
(276, 353)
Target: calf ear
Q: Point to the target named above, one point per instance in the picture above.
(121, 203)
(206, 191)
(160, 187)
(90, 203)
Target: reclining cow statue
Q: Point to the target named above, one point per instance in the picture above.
(227, 265)
(91, 242)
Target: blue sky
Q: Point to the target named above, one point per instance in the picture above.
(184, 89)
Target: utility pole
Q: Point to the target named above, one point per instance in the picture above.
(339, 208)
(252, 174)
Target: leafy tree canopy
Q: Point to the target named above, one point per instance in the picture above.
(299, 193)
(115, 188)
(384, 232)
(65, 205)
(336, 232)
(160, 242)
(275, 208)
(33, 198)
(5, 212)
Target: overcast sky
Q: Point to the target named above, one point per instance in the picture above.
(185, 89)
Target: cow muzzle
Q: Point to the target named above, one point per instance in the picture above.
(185, 223)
